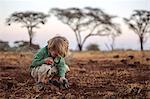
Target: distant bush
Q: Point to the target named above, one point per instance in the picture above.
(19, 46)
(24, 46)
(4, 46)
(93, 47)
(129, 50)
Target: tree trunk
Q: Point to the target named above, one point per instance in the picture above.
(112, 47)
(30, 42)
(141, 43)
(80, 47)
(113, 43)
(30, 36)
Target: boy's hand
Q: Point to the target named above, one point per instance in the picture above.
(48, 61)
(64, 83)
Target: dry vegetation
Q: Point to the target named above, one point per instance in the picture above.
(108, 75)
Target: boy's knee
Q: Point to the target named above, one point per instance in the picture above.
(41, 71)
(46, 70)
(34, 72)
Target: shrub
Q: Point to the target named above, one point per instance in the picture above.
(92, 47)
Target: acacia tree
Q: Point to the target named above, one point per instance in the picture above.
(74, 18)
(101, 24)
(139, 22)
(29, 20)
(93, 21)
(113, 37)
(114, 33)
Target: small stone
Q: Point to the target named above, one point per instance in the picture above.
(124, 61)
(147, 59)
(70, 96)
(130, 56)
(116, 56)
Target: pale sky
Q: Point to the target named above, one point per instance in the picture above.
(121, 8)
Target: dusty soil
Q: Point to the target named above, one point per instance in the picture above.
(93, 75)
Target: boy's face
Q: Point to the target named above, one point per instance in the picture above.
(54, 53)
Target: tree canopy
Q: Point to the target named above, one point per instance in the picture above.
(139, 22)
(92, 21)
(29, 20)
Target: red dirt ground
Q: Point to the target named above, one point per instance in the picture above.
(93, 75)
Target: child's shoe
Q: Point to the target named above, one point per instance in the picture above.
(39, 86)
(63, 85)
(54, 82)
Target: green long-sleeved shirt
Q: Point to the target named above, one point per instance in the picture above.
(59, 62)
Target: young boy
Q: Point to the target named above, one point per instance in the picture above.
(49, 62)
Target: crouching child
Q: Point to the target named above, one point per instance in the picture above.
(49, 62)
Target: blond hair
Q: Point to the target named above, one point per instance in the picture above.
(59, 44)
